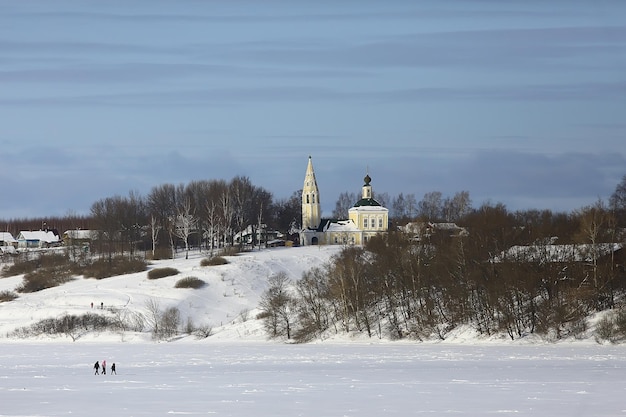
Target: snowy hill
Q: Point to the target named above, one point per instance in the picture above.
(227, 303)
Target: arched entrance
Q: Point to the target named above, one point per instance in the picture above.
(314, 240)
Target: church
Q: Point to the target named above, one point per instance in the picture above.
(367, 218)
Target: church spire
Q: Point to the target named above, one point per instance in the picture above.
(311, 208)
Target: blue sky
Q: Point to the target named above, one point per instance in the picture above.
(518, 102)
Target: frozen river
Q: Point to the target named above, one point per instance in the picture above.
(198, 379)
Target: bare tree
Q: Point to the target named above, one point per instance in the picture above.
(226, 220)
(404, 208)
(286, 214)
(155, 227)
(431, 206)
(185, 223)
(162, 205)
(106, 213)
(618, 202)
(277, 304)
(343, 204)
(153, 316)
(594, 229)
(457, 207)
(170, 322)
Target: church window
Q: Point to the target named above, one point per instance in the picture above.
(307, 199)
(380, 222)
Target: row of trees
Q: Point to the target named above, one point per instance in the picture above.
(403, 208)
(398, 286)
(210, 213)
(201, 214)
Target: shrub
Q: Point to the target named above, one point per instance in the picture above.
(190, 282)
(67, 324)
(7, 296)
(611, 327)
(214, 260)
(231, 250)
(44, 278)
(605, 330)
(162, 272)
(161, 253)
(203, 331)
(103, 268)
(169, 323)
(31, 265)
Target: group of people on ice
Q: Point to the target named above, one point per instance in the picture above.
(97, 367)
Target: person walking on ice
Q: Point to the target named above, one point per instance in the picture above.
(97, 368)
(104, 367)
(113, 369)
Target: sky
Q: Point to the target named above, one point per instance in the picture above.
(517, 102)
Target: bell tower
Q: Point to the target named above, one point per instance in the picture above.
(311, 207)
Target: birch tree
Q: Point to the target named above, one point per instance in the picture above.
(185, 223)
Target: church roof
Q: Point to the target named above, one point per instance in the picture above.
(335, 225)
(367, 202)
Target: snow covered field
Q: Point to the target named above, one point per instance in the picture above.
(266, 379)
(231, 290)
(238, 372)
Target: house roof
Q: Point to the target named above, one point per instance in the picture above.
(38, 235)
(556, 253)
(78, 234)
(7, 237)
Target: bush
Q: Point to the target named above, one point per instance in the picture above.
(45, 278)
(103, 268)
(31, 265)
(170, 321)
(7, 296)
(162, 272)
(611, 327)
(215, 260)
(161, 253)
(203, 331)
(68, 324)
(190, 282)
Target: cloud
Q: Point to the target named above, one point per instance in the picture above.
(579, 91)
(550, 48)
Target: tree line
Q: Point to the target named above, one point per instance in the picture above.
(202, 214)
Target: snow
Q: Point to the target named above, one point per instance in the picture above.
(238, 372)
(266, 379)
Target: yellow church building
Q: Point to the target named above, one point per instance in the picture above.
(367, 218)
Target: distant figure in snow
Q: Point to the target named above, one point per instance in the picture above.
(113, 369)
(101, 306)
(97, 368)
(92, 304)
(104, 367)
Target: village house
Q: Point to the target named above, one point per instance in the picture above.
(37, 239)
(8, 243)
(570, 253)
(78, 237)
